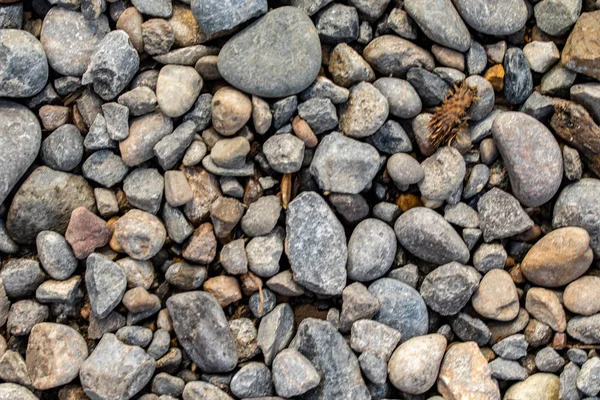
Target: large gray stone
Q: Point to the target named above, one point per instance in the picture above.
(278, 56)
(24, 67)
(222, 15)
(70, 40)
(316, 245)
(202, 329)
(427, 235)
(336, 364)
(493, 17)
(20, 139)
(45, 202)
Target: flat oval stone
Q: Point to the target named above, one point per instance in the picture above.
(392, 55)
(493, 17)
(583, 295)
(371, 250)
(401, 307)
(20, 139)
(24, 67)
(278, 56)
(558, 258)
(427, 235)
(70, 40)
(531, 156)
(316, 245)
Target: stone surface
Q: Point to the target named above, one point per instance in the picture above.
(392, 55)
(365, 112)
(25, 67)
(493, 18)
(501, 215)
(581, 295)
(538, 386)
(55, 254)
(402, 98)
(545, 306)
(105, 167)
(293, 374)
(252, 380)
(20, 140)
(555, 17)
(581, 51)
(275, 331)
(177, 89)
(518, 82)
(316, 245)
(371, 250)
(443, 174)
(273, 69)
(496, 298)
(105, 282)
(448, 288)
(284, 152)
(140, 234)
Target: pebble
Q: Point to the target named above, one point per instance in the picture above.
(21, 277)
(69, 40)
(56, 193)
(448, 288)
(440, 22)
(86, 232)
(357, 303)
(325, 89)
(275, 331)
(541, 56)
(501, 215)
(159, 8)
(489, 256)
(112, 65)
(131, 21)
(572, 164)
(284, 153)
(372, 336)
(139, 101)
(427, 235)
(401, 307)
(233, 257)
(264, 253)
(185, 276)
(548, 360)
(580, 53)
(588, 95)
(316, 245)
(158, 36)
(558, 258)
(557, 81)
(443, 174)
(261, 216)
(461, 215)
(585, 329)
(231, 110)
(55, 254)
(55, 353)
(225, 213)
(144, 133)
(581, 296)
(199, 389)
(26, 67)
(338, 367)
(245, 336)
(15, 392)
(105, 167)
(404, 170)
(512, 347)
(587, 379)
(177, 189)
(391, 55)
(268, 68)
(465, 373)
(19, 143)
(402, 98)
(13, 369)
(338, 23)
(359, 164)
(144, 189)
(484, 103)
(507, 370)
(178, 227)
(475, 58)
(283, 283)
(171, 148)
(198, 318)
(470, 329)
(116, 370)
(138, 273)
(365, 112)
(24, 315)
(205, 187)
(140, 234)
(371, 250)
(117, 124)
(105, 282)
(177, 89)
(251, 381)
(431, 88)
(201, 247)
(320, 114)
(260, 308)
(518, 82)
(541, 386)
(492, 18)
(293, 374)
(230, 153)
(414, 366)
(165, 384)
(577, 356)
(347, 67)
(556, 17)
(544, 305)
(497, 297)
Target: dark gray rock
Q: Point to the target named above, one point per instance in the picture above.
(139, 101)
(501, 215)
(11, 16)
(337, 365)
(171, 148)
(217, 16)
(62, 150)
(97, 137)
(293, 374)
(371, 250)
(508, 370)
(283, 111)
(69, 39)
(531, 156)
(470, 329)
(105, 167)
(25, 69)
(160, 344)
(117, 120)
(105, 282)
(115, 370)
(489, 256)
(577, 356)
(440, 22)
(200, 113)
(518, 82)
(319, 113)
(460, 214)
(178, 227)
(401, 307)
(557, 81)
(45, 202)
(491, 17)
(431, 88)
(577, 206)
(325, 89)
(403, 100)
(144, 189)
(476, 58)
(20, 139)
(112, 66)
(316, 245)
(275, 331)
(344, 165)
(185, 276)
(167, 385)
(264, 253)
(112, 323)
(337, 24)
(202, 330)
(391, 139)
(154, 8)
(252, 380)
(260, 308)
(21, 277)
(588, 95)
(448, 288)
(538, 106)
(373, 366)
(427, 235)
(278, 56)
(512, 347)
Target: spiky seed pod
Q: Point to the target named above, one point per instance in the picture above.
(451, 116)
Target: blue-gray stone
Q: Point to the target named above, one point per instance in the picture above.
(493, 17)
(222, 15)
(518, 81)
(23, 64)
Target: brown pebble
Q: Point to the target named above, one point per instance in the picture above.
(406, 201)
(226, 289)
(202, 246)
(54, 116)
(207, 68)
(131, 22)
(495, 76)
(86, 232)
(304, 132)
(231, 110)
(545, 306)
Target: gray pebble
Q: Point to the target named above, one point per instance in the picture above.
(338, 24)
(367, 335)
(55, 255)
(262, 215)
(568, 382)
(283, 283)
(117, 120)
(448, 288)
(105, 168)
(26, 68)
(387, 212)
(409, 274)
(461, 215)
(138, 273)
(24, 315)
(178, 227)
(507, 370)
(167, 385)
(97, 137)
(557, 81)
(144, 189)
(403, 100)
(325, 89)
(139, 101)
(493, 18)
(210, 166)
(185, 276)
(21, 277)
(572, 163)
(67, 291)
(252, 380)
(513, 220)
(512, 347)
(264, 253)
(443, 174)
(293, 374)
(477, 180)
(233, 257)
(357, 304)
(171, 148)
(373, 366)
(177, 89)
(371, 250)
(470, 329)
(160, 344)
(431, 88)
(556, 17)
(63, 149)
(588, 379)
(518, 82)
(319, 113)
(260, 309)
(476, 58)
(135, 335)
(284, 152)
(391, 139)
(13, 369)
(541, 55)
(588, 95)
(484, 103)
(112, 323)
(450, 75)
(548, 360)
(11, 16)
(275, 331)
(105, 282)
(471, 237)
(489, 256)
(154, 8)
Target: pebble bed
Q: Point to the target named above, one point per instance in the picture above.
(245, 199)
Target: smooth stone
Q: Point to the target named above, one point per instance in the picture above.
(203, 331)
(216, 16)
(275, 331)
(284, 153)
(427, 235)
(448, 288)
(62, 150)
(278, 56)
(587, 379)
(401, 307)
(440, 22)
(293, 374)
(582, 296)
(403, 100)
(489, 256)
(531, 156)
(251, 381)
(69, 40)
(177, 89)
(501, 216)
(371, 336)
(12, 391)
(544, 305)
(431, 88)
(316, 245)
(347, 67)
(25, 67)
(210, 166)
(140, 234)
(391, 55)
(512, 347)
(105, 167)
(144, 133)
(518, 81)
(105, 282)
(542, 386)
(541, 56)
(56, 255)
(371, 250)
(470, 329)
(154, 8)
(338, 367)
(261, 216)
(337, 153)
(365, 112)
(338, 23)
(497, 297)
(414, 366)
(45, 202)
(585, 329)
(548, 360)
(404, 170)
(558, 258)
(508, 370)
(443, 174)
(484, 103)
(493, 18)
(357, 303)
(556, 17)
(20, 140)
(144, 189)
(197, 390)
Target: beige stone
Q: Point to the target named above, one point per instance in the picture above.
(583, 295)
(538, 386)
(496, 298)
(226, 289)
(545, 306)
(231, 110)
